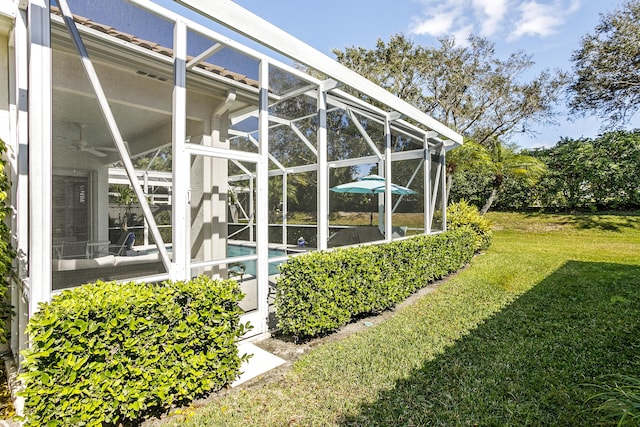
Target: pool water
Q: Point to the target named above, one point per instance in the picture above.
(240, 250)
(234, 250)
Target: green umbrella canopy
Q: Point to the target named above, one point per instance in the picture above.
(370, 184)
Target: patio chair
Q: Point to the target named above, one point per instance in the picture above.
(237, 269)
(74, 250)
(124, 244)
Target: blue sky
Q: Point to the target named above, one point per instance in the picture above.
(550, 30)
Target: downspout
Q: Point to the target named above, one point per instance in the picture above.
(226, 105)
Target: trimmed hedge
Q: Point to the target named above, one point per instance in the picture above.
(112, 354)
(319, 292)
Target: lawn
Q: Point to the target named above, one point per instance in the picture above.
(524, 336)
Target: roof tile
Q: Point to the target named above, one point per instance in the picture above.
(155, 47)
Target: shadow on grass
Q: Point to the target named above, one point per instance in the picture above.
(534, 363)
(601, 221)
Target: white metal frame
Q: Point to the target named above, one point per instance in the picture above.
(32, 49)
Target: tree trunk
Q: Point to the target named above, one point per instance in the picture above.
(449, 184)
(489, 202)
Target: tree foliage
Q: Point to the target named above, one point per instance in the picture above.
(508, 163)
(607, 69)
(599, 173)
(482, 174)
(467, 88)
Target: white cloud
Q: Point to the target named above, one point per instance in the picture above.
(492, 13)
(440, 17)
(536, 19)
(510, 19)
(436, 25)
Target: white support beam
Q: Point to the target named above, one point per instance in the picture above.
(279, 120)
(364, 134)
(262, 192)
(19, 155)
(205, 150)
(273, 159)
(309, 90)
(354, 162)
(181, 218)
(436, 186)
(249, 174)
(40, 154)
(428, 212)
(405, 155)
(204, 55)
(443, 186)
(252, 209)
(323, 172)
(388, 200)
(284, 208)
(408, 184)
(252, 26)
(304, 139)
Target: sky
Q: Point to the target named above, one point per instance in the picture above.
(549, 30)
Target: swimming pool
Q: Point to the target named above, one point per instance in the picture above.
(234, 250)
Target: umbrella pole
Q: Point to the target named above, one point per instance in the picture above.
(371, 211)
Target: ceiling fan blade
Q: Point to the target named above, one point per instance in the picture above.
(94, 152)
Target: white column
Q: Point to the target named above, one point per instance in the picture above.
(428, 213)
(181, 222)
(252, 216)
(39, 154)
(145, 231)
(19, 177)
(387, 182)
(262, 191)
(285, 207)
(323, 171)
(443, 186)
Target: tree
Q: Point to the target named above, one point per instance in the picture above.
(606, 67)
(468, 157)
(599, 173)
(466, 87)
(508, 163)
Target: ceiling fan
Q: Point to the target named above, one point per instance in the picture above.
(83, 146)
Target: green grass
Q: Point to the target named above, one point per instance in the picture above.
(525, 336)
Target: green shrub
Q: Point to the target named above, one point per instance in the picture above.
(320, 292)
(111, 354)
(7, 253)
(462, 215)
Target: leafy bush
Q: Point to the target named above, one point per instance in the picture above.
(111, 354)
(321, 291)
(7, 253)
(464, 216)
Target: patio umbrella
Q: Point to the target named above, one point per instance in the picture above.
(370, 184)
